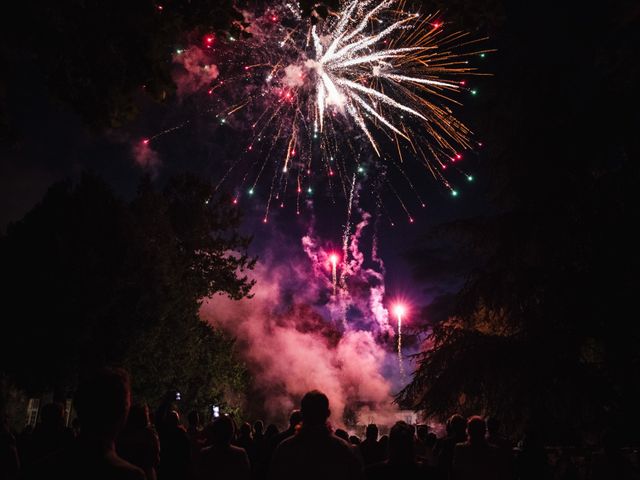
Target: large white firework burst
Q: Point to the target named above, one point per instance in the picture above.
(316, 95)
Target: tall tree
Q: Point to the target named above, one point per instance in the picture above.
(92, 280)
(539, 330)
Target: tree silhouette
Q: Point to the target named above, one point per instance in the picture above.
(92, 280)
(539, 331)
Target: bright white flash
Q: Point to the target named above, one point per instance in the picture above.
(353, 65)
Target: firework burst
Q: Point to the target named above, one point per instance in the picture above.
(374, 83)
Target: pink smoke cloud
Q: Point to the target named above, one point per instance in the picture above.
(292, 347)
(290, 357)
(194, 72)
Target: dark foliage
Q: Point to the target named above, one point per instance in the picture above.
(540, 330)
(91, 280)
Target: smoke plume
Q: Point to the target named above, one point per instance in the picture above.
(293, 338)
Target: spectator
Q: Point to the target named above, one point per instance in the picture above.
(270, 446)
(370, 449)
(271, 432)
(258, 431)
(9, 461)
(175, 453)
(401, 463)
(195, 432)
(49, 436)
(102, 402)
(315, 453)
(384, 446)
(138, 442)
(221, 459)
(245, 441)
(456, 426)
(421, 440)
(475, 459)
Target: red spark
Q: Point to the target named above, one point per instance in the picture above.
(208, 40)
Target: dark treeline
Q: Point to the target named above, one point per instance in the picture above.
(90, 279)
(541, 330)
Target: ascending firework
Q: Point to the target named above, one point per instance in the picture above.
(318, 96)
(333, 258)
(399, 311)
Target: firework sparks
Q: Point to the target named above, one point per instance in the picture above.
(372, 77)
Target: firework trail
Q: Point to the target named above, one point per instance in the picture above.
(333, 258)
(399, 311)
(372, 77)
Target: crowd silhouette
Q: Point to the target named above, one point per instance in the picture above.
(112, 439)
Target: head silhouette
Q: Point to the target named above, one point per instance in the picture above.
(401, 443)
(422, 431)
(258, 427)
(245, 430)
(342, 434)
(372, 432)
(315, 408)
(222, 430)
(271, 430)
(295, 418)
(456, 426)
(476, 429)
(102, 402)
(173, 419)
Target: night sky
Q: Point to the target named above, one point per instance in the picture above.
(51, 143)
(545, 71)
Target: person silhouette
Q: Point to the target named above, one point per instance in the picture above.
(475, 459)
(102, 402)
(370, 448)
(9, 459)
(49, 436)
(268, 447)
(315, 453)
(221, 459)
(138, 442)
(402, 462)
(444, 448)
(175, 450)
